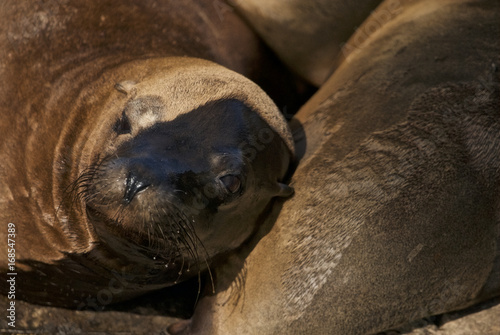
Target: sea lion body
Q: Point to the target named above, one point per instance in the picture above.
(395, 212)
(130, 158)
(309, 37)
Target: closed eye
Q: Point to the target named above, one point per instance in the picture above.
(122, 125)
(231, 182)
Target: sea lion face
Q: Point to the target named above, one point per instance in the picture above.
(187, 188)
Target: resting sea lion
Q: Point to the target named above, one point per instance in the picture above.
(130, 158)
(396, 205)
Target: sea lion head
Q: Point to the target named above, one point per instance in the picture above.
(186, 157)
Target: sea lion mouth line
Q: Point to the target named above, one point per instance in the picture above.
(161, 233)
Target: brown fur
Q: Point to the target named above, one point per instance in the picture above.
(308, 36)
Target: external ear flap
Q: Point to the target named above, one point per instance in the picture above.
(284, 190)
(126, 87)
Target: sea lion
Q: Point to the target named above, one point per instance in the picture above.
(131, 154)
(396, 205)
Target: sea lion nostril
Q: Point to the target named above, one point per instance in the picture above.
(134, 185)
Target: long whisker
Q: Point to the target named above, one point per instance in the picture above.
(79, 189)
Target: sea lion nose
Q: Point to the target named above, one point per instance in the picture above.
(134, 184)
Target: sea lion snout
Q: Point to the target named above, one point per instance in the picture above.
(125, 180)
